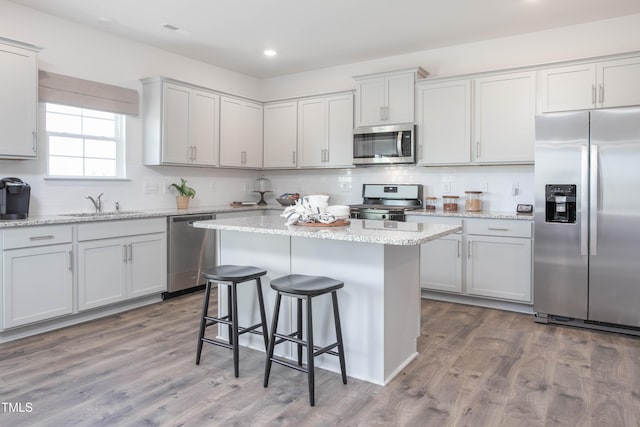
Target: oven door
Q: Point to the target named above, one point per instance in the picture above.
(384, 145)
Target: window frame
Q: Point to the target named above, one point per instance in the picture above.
(119, 139)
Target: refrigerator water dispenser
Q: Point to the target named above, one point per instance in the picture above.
(560, 203)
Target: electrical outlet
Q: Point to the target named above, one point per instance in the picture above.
(484, 187)
(515, 189)
(150, 187)
(345, 186)
(446, 187)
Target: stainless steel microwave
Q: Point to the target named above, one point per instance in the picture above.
(383, 145)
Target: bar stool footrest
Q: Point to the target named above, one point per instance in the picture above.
(217, 342)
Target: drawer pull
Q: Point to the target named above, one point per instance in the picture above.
(34, 238)
(498, 229)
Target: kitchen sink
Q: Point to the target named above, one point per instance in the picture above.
(100, 214)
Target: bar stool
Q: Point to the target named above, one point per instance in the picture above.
(302, 288)
(231, 276)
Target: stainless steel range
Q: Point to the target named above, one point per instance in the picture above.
(387, 201)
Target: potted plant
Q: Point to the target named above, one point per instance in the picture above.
(185, 193)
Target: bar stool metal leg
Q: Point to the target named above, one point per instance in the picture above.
(299, 335)
(236, 346)
(229, 312)
(272, 339)
(336, 317)
(203, 321)
(310, 351)
(263, 315)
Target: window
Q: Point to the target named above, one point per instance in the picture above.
(84, 143)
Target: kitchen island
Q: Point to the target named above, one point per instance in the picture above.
(379, 262)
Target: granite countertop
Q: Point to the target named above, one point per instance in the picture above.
(83, 217)
(363, 231)
(481, 215)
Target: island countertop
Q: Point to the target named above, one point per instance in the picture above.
(363, 231)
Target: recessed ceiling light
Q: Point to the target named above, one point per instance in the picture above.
(270, 52)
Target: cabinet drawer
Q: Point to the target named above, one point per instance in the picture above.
(37, 236)
(132, 227)
(490, 227)
(429, 219)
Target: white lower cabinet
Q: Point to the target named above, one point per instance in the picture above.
(492, 259)
(37, 274)
(499, 267)
(120, 260)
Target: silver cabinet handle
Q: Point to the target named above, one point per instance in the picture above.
(327, 156)
(34, 141)
(593, 94)
(35, 238)
(593, 206)
(124, 253)
(469, 249)
(477, 150)
(459, 247)
(194, 154)
(584, 200)
(601, 87)
(130, 252)
(70, 260)
(322, 155)
(382, 113)
(294, 158)
(497, 229)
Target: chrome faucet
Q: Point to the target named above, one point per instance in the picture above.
(97, 202)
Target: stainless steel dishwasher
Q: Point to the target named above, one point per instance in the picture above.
(190, 250)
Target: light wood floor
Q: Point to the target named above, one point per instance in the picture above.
(477, 367)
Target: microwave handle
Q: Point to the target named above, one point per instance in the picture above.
(399, 144)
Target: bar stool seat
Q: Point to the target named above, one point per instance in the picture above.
(303, 287)
(231, 276)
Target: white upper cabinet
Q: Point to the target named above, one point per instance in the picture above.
(325, 131)
(444, 122)
(504, 118)
(180, 124)
(241, 132)
(386, 98)
(18, 103)
(280, 135)
(613, 83)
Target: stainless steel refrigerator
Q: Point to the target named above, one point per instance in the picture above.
(587, 218)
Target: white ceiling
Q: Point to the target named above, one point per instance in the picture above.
(312, 34)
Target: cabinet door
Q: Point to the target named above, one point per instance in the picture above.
(619, 82)
(499, 267)
(280, 135)
(400, 98)
(567, 88)
(175, 124)
(340, 131)
(505, 118)
(312, 132)
(204, 120)
(370, 101)
(102, 272)
(147, 258)
(252, 131)
(18, 103)
(231, 146)
(37, 284)
(441, 264)
(444, 123)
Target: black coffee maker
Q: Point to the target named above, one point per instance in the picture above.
(14, 198)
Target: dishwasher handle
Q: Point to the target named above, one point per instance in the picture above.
(190, 218)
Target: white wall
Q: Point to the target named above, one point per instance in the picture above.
(72, 49)
(79, 51)
(605, 37)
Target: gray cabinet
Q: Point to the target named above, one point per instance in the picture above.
(181, 124)
(19, 100)
(37, 274)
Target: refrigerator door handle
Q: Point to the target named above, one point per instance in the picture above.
(584, 202)
(593, 202)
